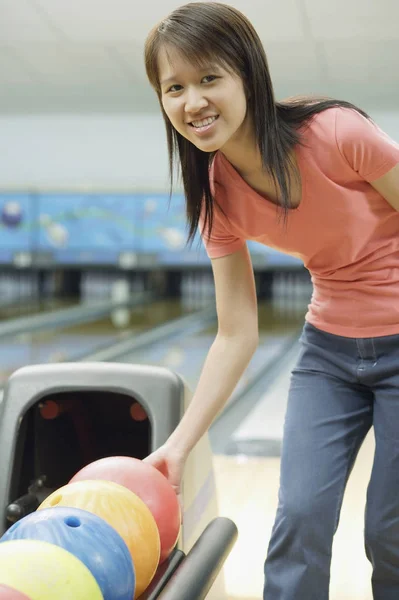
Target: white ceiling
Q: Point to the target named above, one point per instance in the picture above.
(87, 55)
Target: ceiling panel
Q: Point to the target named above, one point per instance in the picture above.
(87, 55)
(337, 19)
(73, 64)
(95, 20)
(22, 21)
(130, 57)
(105, 20)
(272, 20)
(296, 61)
(14, 70)
(357, 61)
(45, 99)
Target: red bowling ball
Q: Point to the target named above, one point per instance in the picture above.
(7, 593)
(148, 484)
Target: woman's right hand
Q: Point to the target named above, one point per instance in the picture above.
(170, 462)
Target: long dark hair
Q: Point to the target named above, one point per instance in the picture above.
(207, 31)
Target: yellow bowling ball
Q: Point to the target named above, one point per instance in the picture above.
(43, 571)
(125, 512)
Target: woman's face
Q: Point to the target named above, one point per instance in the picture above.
(208, 107)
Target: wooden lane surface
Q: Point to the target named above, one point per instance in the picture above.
(247, 491)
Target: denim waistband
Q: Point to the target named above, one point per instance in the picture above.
(365, 348)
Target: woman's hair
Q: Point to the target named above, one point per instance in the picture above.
(205, 32)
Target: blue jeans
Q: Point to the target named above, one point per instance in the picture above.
(340, 388)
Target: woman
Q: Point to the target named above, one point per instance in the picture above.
(315, 178)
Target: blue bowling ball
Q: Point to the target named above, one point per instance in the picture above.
(85, 535)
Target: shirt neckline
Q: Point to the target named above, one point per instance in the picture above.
(272, 205)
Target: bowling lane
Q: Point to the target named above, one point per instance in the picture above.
(68, 343)
(33, 306)
(186, 355)
(257, 431)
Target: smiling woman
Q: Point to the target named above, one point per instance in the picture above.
(232, 64)
(332, 173)
(198, 103)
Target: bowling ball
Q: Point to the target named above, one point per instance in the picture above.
(11, 214)
(93, 541)
(147, 483)
(125, 512)
(7, 593)
(43, 571)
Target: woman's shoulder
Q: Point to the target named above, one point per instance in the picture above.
(338, 118)
(328, 127)
(324, 121)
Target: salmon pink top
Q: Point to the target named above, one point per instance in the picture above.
(344, 231)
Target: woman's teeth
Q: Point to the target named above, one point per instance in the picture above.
(204, 123)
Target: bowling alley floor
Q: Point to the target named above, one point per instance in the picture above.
(247, 492)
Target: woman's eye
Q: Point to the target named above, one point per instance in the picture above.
(173, 90)
(210, 78)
